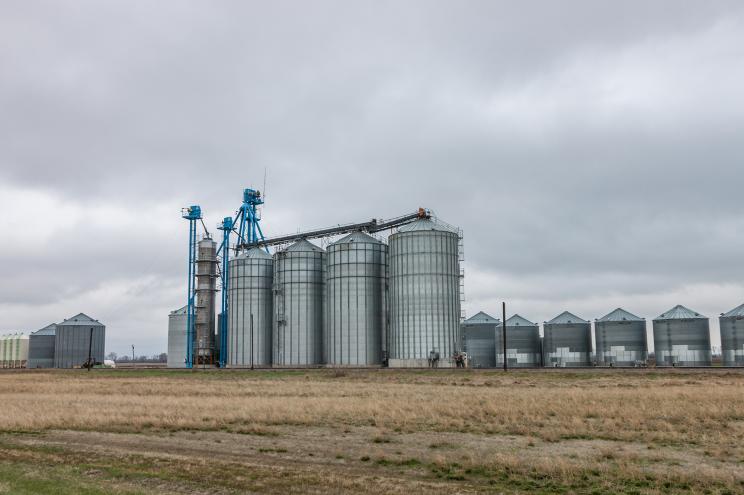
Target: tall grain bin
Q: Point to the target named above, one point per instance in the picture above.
(75, 338)
(299, 286)
(41, 347)
(568, 341)
(682, 338)
(621, 339)
(479, 340)
(732, 337)
(250, 294)
(14, 351)
(4, 350)
(424, 294)
(355, 304)
(206, 286)
(177, 321)
(522, 343)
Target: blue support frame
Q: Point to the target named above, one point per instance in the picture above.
(248, 230)
(246, 226)
(226, 228)
(192, 214)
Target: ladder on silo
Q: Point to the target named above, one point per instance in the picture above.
(461, 259)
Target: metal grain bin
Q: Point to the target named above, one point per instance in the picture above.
(204, 306)
(13, 350)
(250, 295)
(621, 339)
(522, 343)
(177, 321)
(75, 338)
(732, 337)
(355, 303)
(682, 338)
(299, 285)
(479, 340)
(41, 347)
(424, 294)
(568, 341)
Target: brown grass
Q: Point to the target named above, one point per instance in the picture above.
(677, 425)
(677, 408)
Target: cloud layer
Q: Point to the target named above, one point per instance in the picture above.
(591, 151)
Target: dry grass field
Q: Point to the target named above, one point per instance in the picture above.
(376, 431)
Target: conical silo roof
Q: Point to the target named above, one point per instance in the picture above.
(50, 329)
(518, 321)
(481, 317)
(737, 312)
(679, 312)
(181, 311)
(620, 315)
(81, 319)
(566, 318)
(303, 245)
(425, 224)
(357, 237)
(254, 253)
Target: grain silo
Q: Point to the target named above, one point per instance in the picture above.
(204, 307)
(479, 340)
(250, 315)
(682, 338)
(177, 321)
(568, 341)
(621, 339)
(13, 351)
(355, 302)
(76, 338)
(424, 294)
(41, 347)
(522, 343)
(299, 291)
(732, 337)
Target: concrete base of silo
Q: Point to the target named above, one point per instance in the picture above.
(419, 363)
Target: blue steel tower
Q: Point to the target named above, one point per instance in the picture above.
(192, 214)
(249, 231)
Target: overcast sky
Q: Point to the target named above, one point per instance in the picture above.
(592, 152)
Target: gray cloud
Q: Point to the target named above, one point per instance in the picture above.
(591, 151)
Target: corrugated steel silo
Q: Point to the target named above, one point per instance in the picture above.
(177, 321)
(355, 303)
(250, 296)
(204, 307)
(479, 340)
(522, 343)
(682, 338)
(41, 347)
(4, 348)
(424, 294)
(732, 337)
(75, 337)
(621, 339)
(14, 351)
(299, 291)
(567, 342)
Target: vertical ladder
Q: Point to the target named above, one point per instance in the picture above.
(461, 259)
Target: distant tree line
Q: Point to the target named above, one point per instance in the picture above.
(156, 358)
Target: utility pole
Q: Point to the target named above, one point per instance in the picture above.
(90, 350)
(132, 353)
(253, 344)
(503, 329)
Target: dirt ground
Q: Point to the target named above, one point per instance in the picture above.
(156, 451)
